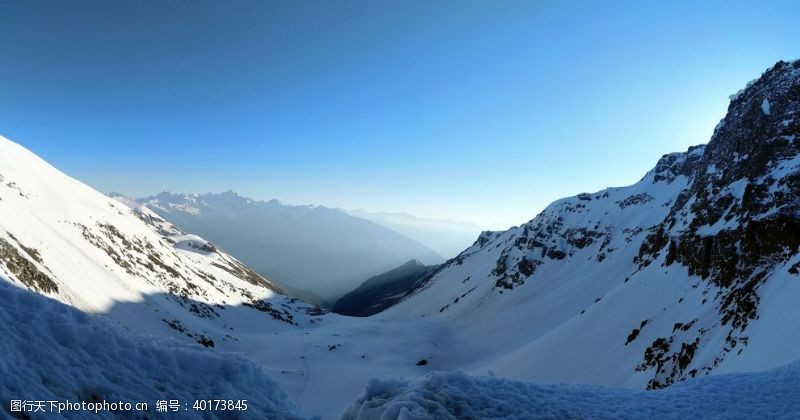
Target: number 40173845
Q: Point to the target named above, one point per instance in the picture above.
(220, 405)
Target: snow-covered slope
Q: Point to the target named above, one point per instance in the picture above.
(692, 270)
(121, 261)
(305, 248)
(65, 240)
(52, 352)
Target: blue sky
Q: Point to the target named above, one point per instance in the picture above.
(479, 111)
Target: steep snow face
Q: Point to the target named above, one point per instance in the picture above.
(687, 272)
(309, 250)
(63, 239)
(54, 352)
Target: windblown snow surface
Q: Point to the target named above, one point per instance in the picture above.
(53, 352)
(454, 395)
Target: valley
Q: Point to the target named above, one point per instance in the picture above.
(686, 275)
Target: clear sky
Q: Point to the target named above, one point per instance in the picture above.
(479, 111)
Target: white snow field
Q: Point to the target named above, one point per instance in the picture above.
(53, 352)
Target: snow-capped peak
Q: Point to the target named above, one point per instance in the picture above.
(63, 239)
(691, 271)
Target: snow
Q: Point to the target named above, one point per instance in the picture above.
(101, 253)
(479, 331)
(54, 352)
(569, 322)
(771, 394)
(192, 243)
(765, 106)
(131, 367)
(739, 93)
(579, 311)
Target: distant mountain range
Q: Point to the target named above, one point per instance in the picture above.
(313, 252)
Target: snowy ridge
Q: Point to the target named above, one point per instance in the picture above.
(65, 240)
(682, 274)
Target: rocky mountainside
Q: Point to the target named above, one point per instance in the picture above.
(65, 240)
(693, 270)
(307, 249)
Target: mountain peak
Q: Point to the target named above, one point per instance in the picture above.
(698, 261)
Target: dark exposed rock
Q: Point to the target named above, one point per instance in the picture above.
(24, 270)
(175, 325)
(203, 247)
(632, 336)
(382, 291)
(673, 165)
(266, 307)
(526, 266)
(33, 253)
(635, 200)
(740, 214)
(205, 341)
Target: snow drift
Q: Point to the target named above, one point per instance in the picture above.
(454, 395)
(51, 351)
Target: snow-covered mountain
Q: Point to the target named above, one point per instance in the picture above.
(690, 271)
(305, 248)
(65, 240)
(446, 237)
(384, 290)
